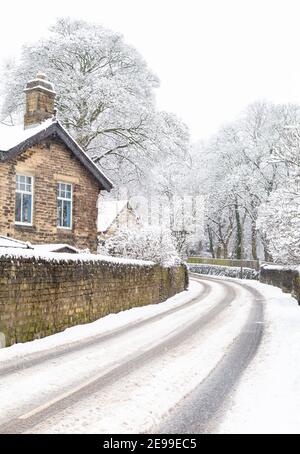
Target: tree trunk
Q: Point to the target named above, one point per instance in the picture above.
(239, 233)
(253, 239)
(219, 251)
(211, 242)
(268, 257)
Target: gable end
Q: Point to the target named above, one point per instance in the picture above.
(56, 130)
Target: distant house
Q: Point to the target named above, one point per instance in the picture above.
(113, 214)
(49, 187)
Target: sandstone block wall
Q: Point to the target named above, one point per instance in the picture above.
(39, 297)
(49, 163)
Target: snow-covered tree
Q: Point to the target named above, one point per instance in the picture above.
(244, 167)
(279, 220)
(106, 96)
(148, 243)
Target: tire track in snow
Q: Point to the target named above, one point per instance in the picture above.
(200, 411)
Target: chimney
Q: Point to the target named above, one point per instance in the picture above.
(40, 96)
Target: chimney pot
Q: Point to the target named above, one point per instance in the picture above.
(41, 75)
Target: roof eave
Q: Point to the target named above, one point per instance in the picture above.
(57, 129)
(83, 158)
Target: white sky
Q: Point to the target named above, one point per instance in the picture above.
(213, 57)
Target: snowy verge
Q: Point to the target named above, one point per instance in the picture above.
(267, 399)
(285, 277)
(104, 325)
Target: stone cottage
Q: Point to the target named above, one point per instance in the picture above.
(49, 187)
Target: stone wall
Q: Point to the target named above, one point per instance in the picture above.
(49, 163)
(284, 277)
(39, 297)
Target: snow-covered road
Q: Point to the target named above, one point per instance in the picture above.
(129, 372)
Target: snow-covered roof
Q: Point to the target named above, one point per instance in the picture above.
(53, 247)
(10, 136)
(8, 242)
(108, 211)
(14, 140)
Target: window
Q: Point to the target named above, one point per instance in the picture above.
(24, 192)
(64, 205)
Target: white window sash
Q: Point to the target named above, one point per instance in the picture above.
(22, 192)
(65, 199)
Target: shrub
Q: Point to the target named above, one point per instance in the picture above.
(228, 271)
(148, 243)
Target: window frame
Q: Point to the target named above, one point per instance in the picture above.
(58, 197)
(19, 191)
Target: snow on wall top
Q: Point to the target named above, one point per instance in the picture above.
(14, 253)
(108, 211)
(276, 267)
(10, 136)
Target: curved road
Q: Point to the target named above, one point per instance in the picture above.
(45, 388)
(201, 409)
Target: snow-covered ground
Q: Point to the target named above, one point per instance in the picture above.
(267, 399)
(140, 400)
(152, 389)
